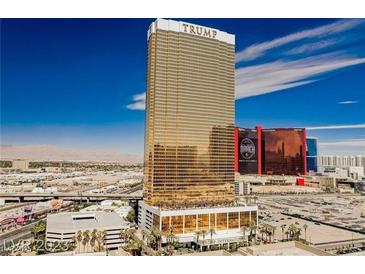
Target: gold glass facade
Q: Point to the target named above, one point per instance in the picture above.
(190, 223)
(221, 222)
(244, 219)
(189, 146)
(165, 224)
(233, 220)
(203, 222)
(179, 224)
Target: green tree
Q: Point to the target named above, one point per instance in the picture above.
(135, 247)
(171, 239)
(131, 216)
(39, 229)
(156, 237)
(129, 234)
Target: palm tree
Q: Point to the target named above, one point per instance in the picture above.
(100, 239)
(85, 238)
(282, 231)
(123, 234)
(130, 234)
(170, 237)
(197, 234)
(151, 240)
(79, 239)
(305, 226)
(298, 232)
(144, 235)
(93, 238)
(204, 233)
(243, 230)
(273, 229)
(267, 231)
(262, 231)
(287, 235)
(253, 229)
(292, 230)
(211, 232)
(157, 235)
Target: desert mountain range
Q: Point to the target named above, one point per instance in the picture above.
(55, 153)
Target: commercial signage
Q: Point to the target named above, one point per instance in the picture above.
(198, 30)
(247, 151)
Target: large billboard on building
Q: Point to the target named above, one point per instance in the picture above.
(247, 151)
(284, 151)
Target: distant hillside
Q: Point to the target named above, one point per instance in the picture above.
(54, 153)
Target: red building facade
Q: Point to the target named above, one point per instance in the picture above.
(279, 151)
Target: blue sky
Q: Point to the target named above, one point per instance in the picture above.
(81, 82)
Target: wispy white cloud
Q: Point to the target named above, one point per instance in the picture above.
(299, 58)
(311, 47)
(345, 142)
(279, 75)
(139, 102)
(342, 147)
(254, 51)
(303, 57)
(336, 127)
(347, 102)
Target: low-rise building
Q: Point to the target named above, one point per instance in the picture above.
(190, 224)
(20, 164)
(242, 188)
(292, 248)
(325, 182)
(62, 227)
(121, 208)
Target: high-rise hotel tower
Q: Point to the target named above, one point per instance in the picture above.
(189, 138)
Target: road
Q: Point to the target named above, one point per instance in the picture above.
(28, 196)
(13, 237)
(23, 233)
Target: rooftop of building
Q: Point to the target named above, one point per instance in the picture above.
(193, 29)
(200, 206)
(209, 253)
(292, 248)
(75, 221)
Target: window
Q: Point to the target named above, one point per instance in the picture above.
(203, 223)
(244, 219)
(190, 223)
(232, 220)
(212, 221)
(177, 224)
(221, 221)
(165, 224)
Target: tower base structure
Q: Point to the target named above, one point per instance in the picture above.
(201, 226)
